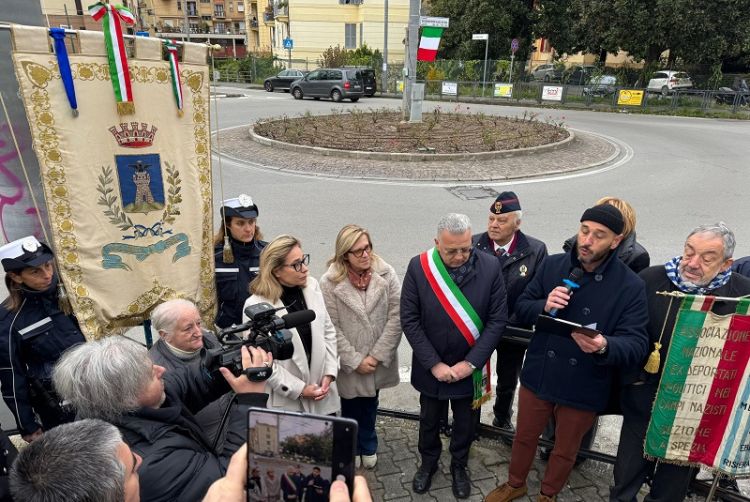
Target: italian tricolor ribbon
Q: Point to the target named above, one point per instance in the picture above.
(428, 44)
(174, 69)
(462, 314)
(701, 413)
(116, 54)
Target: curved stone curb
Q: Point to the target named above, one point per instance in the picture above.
(410, 157)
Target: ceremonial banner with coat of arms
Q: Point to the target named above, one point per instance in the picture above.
(128, 196)
(701, 414)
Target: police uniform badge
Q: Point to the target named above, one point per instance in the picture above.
(523, 270)
(30, 245)
(498, 206)
(245, 200)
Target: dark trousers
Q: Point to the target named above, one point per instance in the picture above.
(533, 415)
(669, 482)
(363, 410)
(509, 362)
(464, 425)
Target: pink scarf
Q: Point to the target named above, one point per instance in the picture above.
(359, 280)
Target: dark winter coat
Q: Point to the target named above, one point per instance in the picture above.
(656, 280)
(613, 299)
(161, 355)
(518, 268)
(178, 462)
(434, 337)
(39, 333)
(233, 279)
(8, 454)
(742, 266)
(630, 252)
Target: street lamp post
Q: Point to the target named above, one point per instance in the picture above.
(384, 87)
(486, 38)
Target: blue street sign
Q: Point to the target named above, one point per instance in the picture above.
(288, 44)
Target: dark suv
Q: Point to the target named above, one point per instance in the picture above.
(334, 83)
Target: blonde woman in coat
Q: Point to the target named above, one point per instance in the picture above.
(362, 295)
(306, 382)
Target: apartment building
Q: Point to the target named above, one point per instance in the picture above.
(315, 25)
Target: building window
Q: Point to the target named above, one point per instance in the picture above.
(231, 7)
(192, 9)
(205, 1)
(240, 7)
(179, 5)
(219, 10)
(219, 27)
(206, 18)
(350, 36)
(361, 34)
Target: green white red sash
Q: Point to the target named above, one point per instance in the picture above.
(462, 314)
(119, 72)
(701, 411)
(174, 70)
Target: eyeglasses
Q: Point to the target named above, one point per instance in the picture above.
(359, 252)
(297, 265)
(454, 252)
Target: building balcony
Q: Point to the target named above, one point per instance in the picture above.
(268, 17)
(281, 13)
(254, 24)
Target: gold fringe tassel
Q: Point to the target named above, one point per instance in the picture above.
(126, 108)
(63, 301)
(654, 360)
(227, 254)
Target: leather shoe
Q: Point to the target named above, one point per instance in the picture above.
(506, 426)
(505, 493)
(461, 482)
(422, 479)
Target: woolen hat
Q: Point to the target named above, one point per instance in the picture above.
(606, 214)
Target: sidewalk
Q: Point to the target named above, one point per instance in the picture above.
(398, 460)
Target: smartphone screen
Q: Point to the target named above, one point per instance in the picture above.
(298, 454)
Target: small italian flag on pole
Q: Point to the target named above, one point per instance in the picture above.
(428, 44)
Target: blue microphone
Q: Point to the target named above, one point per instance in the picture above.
(570, 284)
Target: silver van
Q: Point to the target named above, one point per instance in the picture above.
(334, 83)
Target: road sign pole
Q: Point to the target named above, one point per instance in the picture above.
(411, 62)
(484, 79)
(510, 77)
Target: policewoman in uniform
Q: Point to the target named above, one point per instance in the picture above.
(34, 332)
(237, 247)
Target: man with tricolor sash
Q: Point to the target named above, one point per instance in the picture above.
(453, 313)
(584, 331)
(703, 272)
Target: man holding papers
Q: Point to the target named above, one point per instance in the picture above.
(569, 372)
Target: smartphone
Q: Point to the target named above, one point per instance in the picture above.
(290, 453)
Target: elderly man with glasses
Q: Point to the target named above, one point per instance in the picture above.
(453, 313)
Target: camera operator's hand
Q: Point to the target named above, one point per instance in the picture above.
(251, 358)
(231, 488)
(340, 493)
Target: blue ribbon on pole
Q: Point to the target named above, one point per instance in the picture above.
(58, 35)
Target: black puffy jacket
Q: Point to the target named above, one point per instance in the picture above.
(233, 279)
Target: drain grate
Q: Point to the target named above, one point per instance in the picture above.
(473, 192)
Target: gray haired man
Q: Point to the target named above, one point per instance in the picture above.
(453, 313)
(85, 460)
(704, 268)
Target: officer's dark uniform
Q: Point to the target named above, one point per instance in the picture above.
(32, 339)
(233, 279)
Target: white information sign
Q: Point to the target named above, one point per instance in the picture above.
(450, 88)
(480, 36)
(437, 22)
(552, 93)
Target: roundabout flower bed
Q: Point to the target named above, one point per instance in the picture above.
(440, 132)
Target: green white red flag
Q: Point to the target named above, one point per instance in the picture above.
(119, 73)
(428, 44)
(174, 70)
(701, 414)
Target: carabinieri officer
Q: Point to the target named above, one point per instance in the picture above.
(237, 247)
(34, 332)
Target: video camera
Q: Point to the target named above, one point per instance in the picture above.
(266, 331)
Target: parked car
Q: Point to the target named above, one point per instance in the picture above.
(666, 81)
(369, 81)
(283, 80)
(334, 83)
(601, 85)
(579, 75)
(547, 73)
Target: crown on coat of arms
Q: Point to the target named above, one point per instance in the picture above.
(133, 135)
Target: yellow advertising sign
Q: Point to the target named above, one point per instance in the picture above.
(630, 97)
(399, 86)
(503, 90)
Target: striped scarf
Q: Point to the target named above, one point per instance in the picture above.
(673, 272)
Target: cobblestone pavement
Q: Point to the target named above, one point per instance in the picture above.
(398, 460)
(585, 151)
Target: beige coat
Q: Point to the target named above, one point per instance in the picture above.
(366, 328)
(291, 376)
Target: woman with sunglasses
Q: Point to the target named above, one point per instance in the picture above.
(306, 381)
(362, 294)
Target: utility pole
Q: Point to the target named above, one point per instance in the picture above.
(384, 87)
(411, 60)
